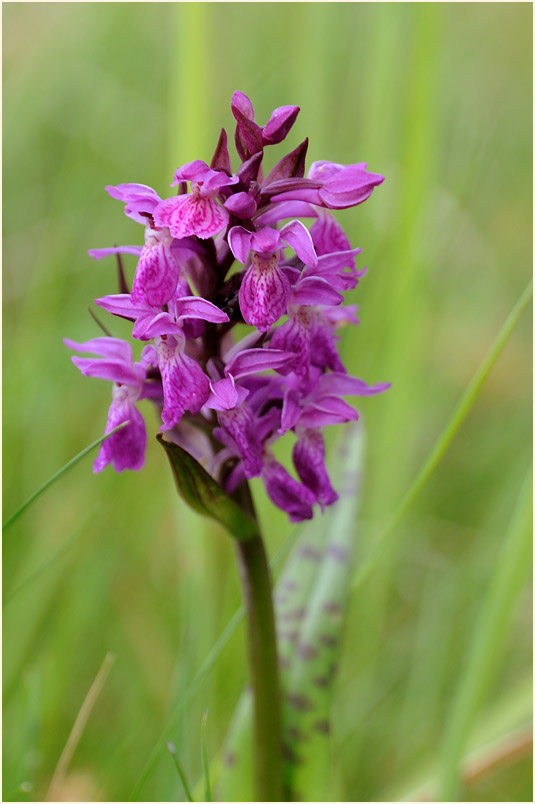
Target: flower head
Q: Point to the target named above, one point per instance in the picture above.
(229, 249)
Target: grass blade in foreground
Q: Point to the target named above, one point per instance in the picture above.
(78, 727)
(58, 474)
(488, 641)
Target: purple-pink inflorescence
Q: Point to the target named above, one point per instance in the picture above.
(227, 402)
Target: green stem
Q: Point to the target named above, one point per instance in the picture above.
(263, 662)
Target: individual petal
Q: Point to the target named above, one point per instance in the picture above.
(225, 395)
(249, 169)
(264, 293)
(266, 240)
(298, 237)
(309, 461)
(104, 369)
(121, 304)
(286, 209)
(323, 346)
(290, 166)
(279, 124)
(240, 424)
(157, 272)
(315, 290)
(248, 135)
(328, 410)
(192, 171)
(343, 384)
(98, 253)
(221, 158)
(285, 492)
(251, 361)
(291, 410)
(341, 316)
(140, 200)
(114, 348)
(196, 307)
(348, 191)
(191, 214)
(308, 195)
(241, 204)
(154, 326)
(127, 191)
(293, 184)
(344, 185)
(185, 386)
(328, 236)
(239, 240)
(125, 449)
(294, 337)
(215, 180)
(241, 104)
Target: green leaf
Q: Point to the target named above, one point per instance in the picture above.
(309, 598)
(199, 490)
(57, 475)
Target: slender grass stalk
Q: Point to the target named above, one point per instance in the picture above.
(57, 475)
(487, 642)
(181, 774)
(437, 453)
(79, 726)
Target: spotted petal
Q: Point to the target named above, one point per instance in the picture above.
(264, 293)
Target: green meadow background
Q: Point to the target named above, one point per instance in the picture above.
(436, 657)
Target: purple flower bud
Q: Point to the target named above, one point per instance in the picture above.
(279, 124)
(241, 205)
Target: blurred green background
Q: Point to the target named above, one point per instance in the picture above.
(437, 97)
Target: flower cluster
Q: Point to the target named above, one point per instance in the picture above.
(227, 250)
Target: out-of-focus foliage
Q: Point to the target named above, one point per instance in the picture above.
(437, 97)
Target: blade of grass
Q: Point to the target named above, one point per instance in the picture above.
(487, 642)
(204, 757)
(79, 726)
(437, 453)
(172, 751)
(57, 475)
